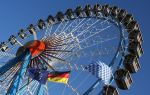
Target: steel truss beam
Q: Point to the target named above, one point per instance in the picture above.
(18, 76)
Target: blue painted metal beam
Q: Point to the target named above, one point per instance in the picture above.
(18, 76)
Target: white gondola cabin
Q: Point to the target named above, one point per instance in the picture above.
(60, 16)
(79, 11)
(31, 29)
(69, 14)
(88, 10)
(97, 9)
(50, 20)
(12, 40)
(41, 24)
(22, 34)
(3, 47)
(106, 10)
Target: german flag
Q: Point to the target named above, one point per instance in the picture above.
(60, 77)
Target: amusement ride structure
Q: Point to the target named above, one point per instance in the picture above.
(86, 51)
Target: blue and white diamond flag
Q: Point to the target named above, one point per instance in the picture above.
(100, 70)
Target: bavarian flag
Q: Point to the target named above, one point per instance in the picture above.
(58, 76)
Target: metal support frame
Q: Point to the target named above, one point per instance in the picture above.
(18, 76)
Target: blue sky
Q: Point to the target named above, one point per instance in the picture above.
(17, 14)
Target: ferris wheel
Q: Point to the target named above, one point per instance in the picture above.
(86, 51)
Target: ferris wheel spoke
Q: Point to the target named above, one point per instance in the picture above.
(60, 27)
(70, 25)
(10, 74)
(56, 50)
(65, 26)
(94, 34)
(62, 60)
(48, 31)
(42, 60)
(104, 51)
(91, 25)
(57, 28)
(80, 50)
(92, 45)
(65, 50)
(5, 54)
(85, 26)
(78, 25)
(74, 68)
(101, 42)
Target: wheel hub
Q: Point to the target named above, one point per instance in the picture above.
(35, 47)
